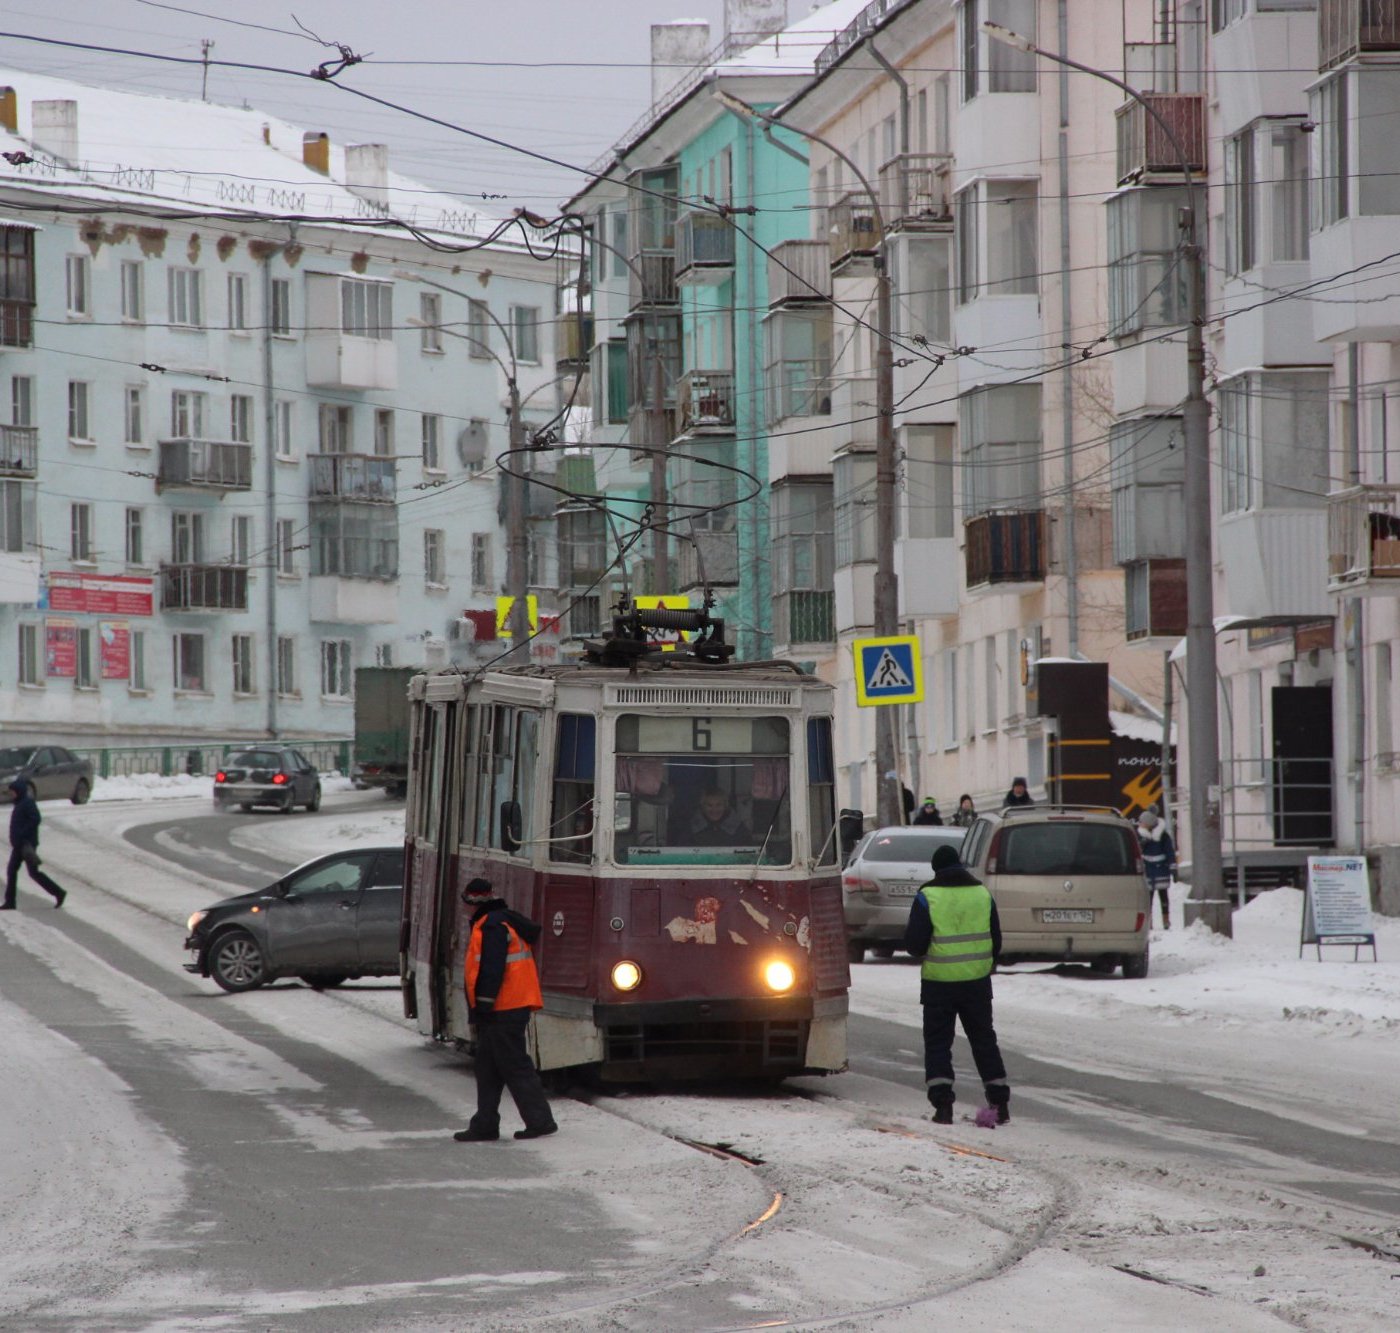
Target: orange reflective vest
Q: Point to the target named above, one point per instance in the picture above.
(520, 987)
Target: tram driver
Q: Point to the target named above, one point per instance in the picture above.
(715, 824)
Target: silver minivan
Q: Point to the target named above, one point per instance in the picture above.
(1068, 882)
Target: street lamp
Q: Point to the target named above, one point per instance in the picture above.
(1207, 902)
(888, 797)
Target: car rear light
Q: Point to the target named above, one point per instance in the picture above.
(220, 777)
(278, 779)
(994, 852)
(851, 883)
(1141, 918)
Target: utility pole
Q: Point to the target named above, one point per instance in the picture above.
(517, 530)
(660, 456)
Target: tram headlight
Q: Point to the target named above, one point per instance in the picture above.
(626, 975)
(779, 976)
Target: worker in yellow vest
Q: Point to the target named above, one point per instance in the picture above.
(953, 928)
(503, 989)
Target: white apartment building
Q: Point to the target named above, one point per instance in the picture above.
(254, 385)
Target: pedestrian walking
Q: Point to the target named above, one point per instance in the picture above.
(1158, 859)
(24, 847)
(503, 988)
(965, 813)
(928, 812)
(1018, 795)
(953, 927)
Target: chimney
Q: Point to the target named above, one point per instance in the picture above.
(316, 152)
(676, 48)
(56, 129)
(367, 173)
(9, 110)
(748, 21)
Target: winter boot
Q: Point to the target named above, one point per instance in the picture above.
(999, 1096)
(943, 1113)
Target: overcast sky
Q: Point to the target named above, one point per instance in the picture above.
(564, 78)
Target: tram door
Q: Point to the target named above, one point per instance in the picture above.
(442, 798)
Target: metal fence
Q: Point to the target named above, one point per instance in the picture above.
(199, 757)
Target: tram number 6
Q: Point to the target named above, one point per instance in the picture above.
(700, 738)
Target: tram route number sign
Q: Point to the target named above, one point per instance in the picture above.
(888, 671)
(1337, 905)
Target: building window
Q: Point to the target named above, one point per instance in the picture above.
(525, 332)
(188, 658)
(434, 564)
(334, 421)
(358, 541)
(134, 415)
(366, 308)
(583, 547)
(241, 418)
(30, 660)
(16, 286)
(1383, 690)
(1000, 439)
(240, 548)
(17, 516)
(479, 327)
(79, 396)
(187, 298)
(1266, 200)
(432, 442)
(383, 654)
(135, 537)
(430, 317)
(86, 675)
(188, 414)
(922, 287)
(1273, 440)
(337, 675)
(282, 427)
(243, 680)
(133, 277)
(853, 479)
(965, 233)
(483, 570)
(286, 665)
(989, 65)
(80, 546)
(22, 400)
(78, 278)
(927, 504)
(238, 301)
(286, 546)
(187, 545)
(136, 649)
(1146, 276)
(280, 316)
(803, 558)
(1010, 217)
(384, 432)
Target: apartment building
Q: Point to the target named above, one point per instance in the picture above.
(256, 386)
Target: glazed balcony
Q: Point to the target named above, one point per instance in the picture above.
(19, 451)
(853, 233)
(205, 465)
(204, 587)
(707, 402)
(651, 280)
(704, 249)
(353, 477)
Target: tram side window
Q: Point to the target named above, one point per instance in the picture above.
(527, 748)
(502, 768)
(471, 750)
(571, 816)
(480, 778)
(821, 791)
(432, 759)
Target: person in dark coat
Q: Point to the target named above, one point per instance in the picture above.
(953, 927)
(928, 812)
(24, 847)
(907, 799)
(503, 988)
(965, 814)
(1158, 858)
(1019, 794)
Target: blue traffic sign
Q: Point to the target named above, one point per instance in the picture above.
(888, 671)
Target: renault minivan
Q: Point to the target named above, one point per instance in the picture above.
(1068, 883)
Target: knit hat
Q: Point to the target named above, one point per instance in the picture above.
(1147, 820)
(944, 856)
(477, 888)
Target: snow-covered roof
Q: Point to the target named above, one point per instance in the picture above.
(795, 49)
(1134, 728)
(139, 147)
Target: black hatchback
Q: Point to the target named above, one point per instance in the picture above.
(326, 922)
(276, 775)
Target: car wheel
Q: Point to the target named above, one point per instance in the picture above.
(1135, 965)
(855, 953)
(314, 804)
(81, 791)
(1105, 963)
(327, 981)
(882, 950)
(236, 962)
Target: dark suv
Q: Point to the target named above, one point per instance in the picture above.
(332, 919)
(276, 775)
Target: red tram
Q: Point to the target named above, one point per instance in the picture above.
(671, 822)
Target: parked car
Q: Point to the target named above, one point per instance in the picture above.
(276, 775)
(1068, 883)
(330, 920)
(888, 867)
(51, 770)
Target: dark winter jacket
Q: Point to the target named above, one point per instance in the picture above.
(918, 934)
(24, 817)
(1025, 798)
(1159, 858)
(495, 941)
(928, 814)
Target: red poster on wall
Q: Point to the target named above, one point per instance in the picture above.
(101, 594)
(114, 644)
(61, 647)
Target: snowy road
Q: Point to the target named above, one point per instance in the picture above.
(1216, 1146)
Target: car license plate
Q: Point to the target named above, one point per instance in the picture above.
(903, 890)
(1071, 914)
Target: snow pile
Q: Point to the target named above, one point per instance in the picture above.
(149, 786)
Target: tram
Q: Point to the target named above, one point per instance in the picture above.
(670, 820)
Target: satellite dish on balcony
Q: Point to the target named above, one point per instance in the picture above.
(471, 443)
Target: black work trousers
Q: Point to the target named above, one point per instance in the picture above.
(503, 1061)
(27, 856)
(968, 1002)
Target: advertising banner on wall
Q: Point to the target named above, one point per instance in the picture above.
(61, 647)
(101, 594)
(114, 642)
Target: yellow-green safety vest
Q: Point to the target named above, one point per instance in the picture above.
(961, 949)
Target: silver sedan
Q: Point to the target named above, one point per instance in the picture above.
(888, 867)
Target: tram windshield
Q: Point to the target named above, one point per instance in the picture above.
(708, 791)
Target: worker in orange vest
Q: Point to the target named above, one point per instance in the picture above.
(503, 988)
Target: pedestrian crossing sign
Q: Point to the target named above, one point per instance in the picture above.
(504, 606)
(888, 671)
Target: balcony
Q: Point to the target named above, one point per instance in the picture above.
(914, 191)
(1155, 600)
(205, 465)
(853, 234)
(573, 338)
(352, 477)
(799, 271)
(204, 587)
(804, 618)
(651, 280)
(1349, 28)
(707, 402)
(1274, 560)
(1144, 147)
(1363, 540)
(704, 249)
(19, 451)
(708, 558)
(798, 388)
(1004, 549)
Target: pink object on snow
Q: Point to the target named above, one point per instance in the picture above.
(986, 1117)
